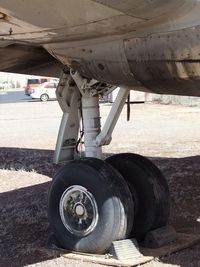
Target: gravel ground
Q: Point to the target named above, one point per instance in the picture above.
(169, 135)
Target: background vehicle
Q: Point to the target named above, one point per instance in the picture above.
(33, 83)
(45, 91)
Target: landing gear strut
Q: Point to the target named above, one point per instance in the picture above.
(94, 202)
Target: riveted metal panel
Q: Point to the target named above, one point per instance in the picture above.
(167, 63)
(179, 45)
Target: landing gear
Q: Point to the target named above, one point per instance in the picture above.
(94, 202)
(90, 206)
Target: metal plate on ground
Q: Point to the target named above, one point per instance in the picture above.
(105, 260)
(183, 241)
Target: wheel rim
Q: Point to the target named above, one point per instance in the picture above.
(78, 210)
(44, 97)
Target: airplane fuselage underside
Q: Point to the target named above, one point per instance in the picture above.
(166, 63)
(145, 45)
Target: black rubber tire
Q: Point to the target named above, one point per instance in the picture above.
(44, 100)
(149, 189)
(113, 199)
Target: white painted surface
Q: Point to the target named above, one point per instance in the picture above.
(48, 88)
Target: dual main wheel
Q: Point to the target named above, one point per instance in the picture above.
(93, 203)
(149, 190)
(90, 205)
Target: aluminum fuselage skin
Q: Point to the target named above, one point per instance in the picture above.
(151, 46)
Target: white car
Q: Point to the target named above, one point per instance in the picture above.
(45, 91)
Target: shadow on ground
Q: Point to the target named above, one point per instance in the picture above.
(24, 227)
(37, 160)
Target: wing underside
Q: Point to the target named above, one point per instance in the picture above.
(27, 59)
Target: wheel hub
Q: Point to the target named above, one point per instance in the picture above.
(78, 210)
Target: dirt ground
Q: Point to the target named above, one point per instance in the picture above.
(169, 135)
